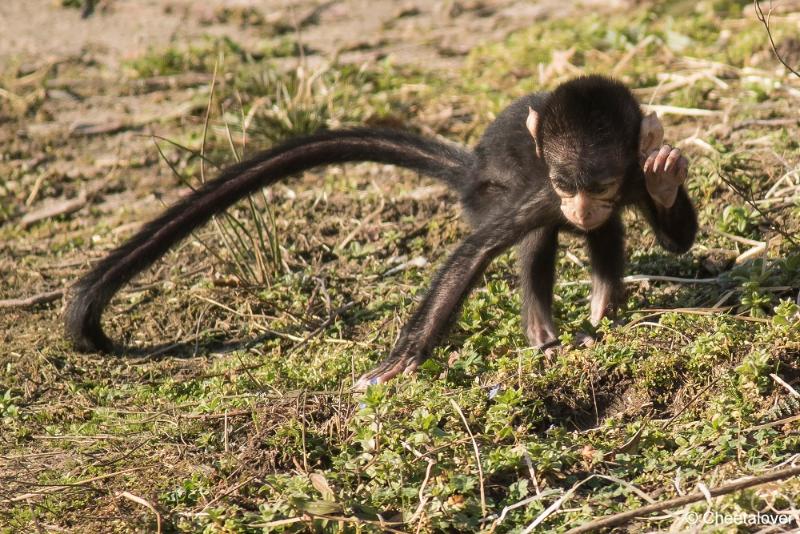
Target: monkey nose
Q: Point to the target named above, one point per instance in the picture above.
(589, 220)
(584, 217)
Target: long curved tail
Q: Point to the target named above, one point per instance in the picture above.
(92, 293)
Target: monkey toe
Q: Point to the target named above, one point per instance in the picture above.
(363, 383)
(552, 352)
(388, 369)
(585, 340)
(379, 375)
(550, 348)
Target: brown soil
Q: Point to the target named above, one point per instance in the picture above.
(411, 30)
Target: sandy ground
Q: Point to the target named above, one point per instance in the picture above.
(410, 30)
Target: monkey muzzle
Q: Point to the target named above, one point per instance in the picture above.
(585, 212)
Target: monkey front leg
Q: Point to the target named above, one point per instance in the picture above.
(438, 310)
(666, 205)
(537, 275)
(607, 257)
(606, 246)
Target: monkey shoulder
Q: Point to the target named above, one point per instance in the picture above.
(506, 153)
(509, 126)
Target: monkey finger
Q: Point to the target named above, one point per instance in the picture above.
(661, 159)
(677, 174)
(672, 158)
(648, 163)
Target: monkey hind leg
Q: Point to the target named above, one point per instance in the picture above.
(438, 310)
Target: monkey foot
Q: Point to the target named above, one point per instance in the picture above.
(550, 348)
(553, 347)
(388, 369)
(582, 339)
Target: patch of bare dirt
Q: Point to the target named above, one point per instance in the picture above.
(409, 30)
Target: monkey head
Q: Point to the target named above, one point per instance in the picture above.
(593, 139)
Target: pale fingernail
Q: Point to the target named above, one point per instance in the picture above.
(674, 159)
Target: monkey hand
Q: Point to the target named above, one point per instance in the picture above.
(665, 170)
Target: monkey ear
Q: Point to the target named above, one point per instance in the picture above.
(532, 123)
(651, 134)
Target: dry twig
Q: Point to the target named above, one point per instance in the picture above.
(51, 488)
(623, 517)
(457, 408)
(27, 302)
(764, 19)
(138, 500)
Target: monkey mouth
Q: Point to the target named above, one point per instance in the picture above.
(586, 227)
(584, 219)
(591, 226)
(587, 222)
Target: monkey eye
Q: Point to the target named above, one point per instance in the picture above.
(597, 189)
(564, 187)
(602, 187)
